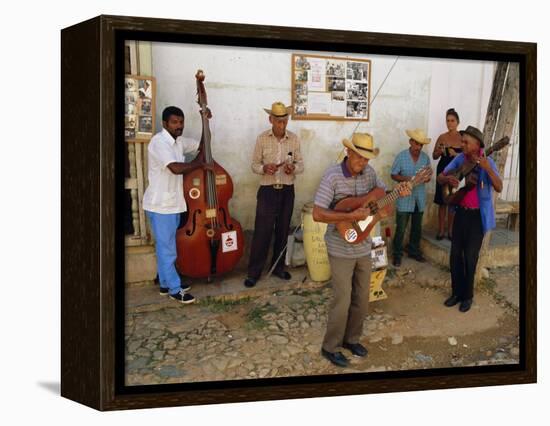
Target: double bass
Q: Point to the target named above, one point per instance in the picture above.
(211, 242)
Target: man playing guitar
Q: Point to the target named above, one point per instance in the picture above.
(474, 215)
(350, 263)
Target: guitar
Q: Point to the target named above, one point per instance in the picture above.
(454, 196)
(380, 205)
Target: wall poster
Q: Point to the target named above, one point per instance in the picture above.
(330, 88)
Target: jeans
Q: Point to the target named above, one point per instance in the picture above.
(164, 228)
(401, 220)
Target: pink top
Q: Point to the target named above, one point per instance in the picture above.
(471, 200)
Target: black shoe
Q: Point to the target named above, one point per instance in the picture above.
(397, 262)
(418, 257)
(465, 305)
(163, 291)
(183, 297)
(356, 349)
(284, 275)
(250, 282)
(451, 301)
(450, 237)
(337, 358)
(439, 237)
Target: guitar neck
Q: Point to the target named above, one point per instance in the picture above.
(391, 197)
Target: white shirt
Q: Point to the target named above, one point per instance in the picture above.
(165, 191)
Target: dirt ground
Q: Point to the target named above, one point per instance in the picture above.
(278, 332)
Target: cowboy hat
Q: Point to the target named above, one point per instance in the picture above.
(278, 109)
(475, 133)
(362, 144)
(418, 135)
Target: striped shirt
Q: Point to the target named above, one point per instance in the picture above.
(338, 183)
(269, 150)
(405, 166)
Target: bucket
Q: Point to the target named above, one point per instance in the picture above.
(314, 245)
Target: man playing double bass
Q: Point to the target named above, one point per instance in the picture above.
(163, 200)
(350, 263)
(474, 216)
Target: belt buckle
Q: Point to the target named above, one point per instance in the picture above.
(278, 186)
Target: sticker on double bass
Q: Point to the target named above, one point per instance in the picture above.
(194, 193)
(350, 235)
(229, 241)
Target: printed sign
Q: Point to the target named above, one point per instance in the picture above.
(379, 258)
(229, 241)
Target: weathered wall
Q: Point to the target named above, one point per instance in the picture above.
(240, 82)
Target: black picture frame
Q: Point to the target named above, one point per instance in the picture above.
(92, 290)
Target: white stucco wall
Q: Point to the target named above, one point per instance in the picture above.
(240, 82)
(462, 85)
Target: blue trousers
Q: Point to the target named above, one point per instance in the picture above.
(164, 228)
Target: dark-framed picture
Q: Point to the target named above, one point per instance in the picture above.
(139, 101)
(330, 88)
(125, 347)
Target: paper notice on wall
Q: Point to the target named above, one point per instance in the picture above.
(319, 103)
(316, 75)
(338, 108)
(229, 241)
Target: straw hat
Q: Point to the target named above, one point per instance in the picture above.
(362, 144)
(474, 132)
(278, 109)
(418, 135)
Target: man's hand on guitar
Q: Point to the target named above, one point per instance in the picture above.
(452, 181)
(359, 214)
(484, 163)
(404, 189)
(428, 176)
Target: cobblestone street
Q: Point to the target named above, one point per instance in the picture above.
(276, 330)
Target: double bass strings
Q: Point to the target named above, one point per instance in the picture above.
(210, 177)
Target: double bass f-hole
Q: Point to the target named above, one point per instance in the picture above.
(191, 231)
(227, 226)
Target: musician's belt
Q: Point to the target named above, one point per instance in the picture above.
(278, 186)
(469, 209)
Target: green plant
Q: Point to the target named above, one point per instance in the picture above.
(222, 305)
(254, 316)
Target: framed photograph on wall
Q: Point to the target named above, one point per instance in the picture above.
(330, 88)
(117, 356)
(139, 106)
